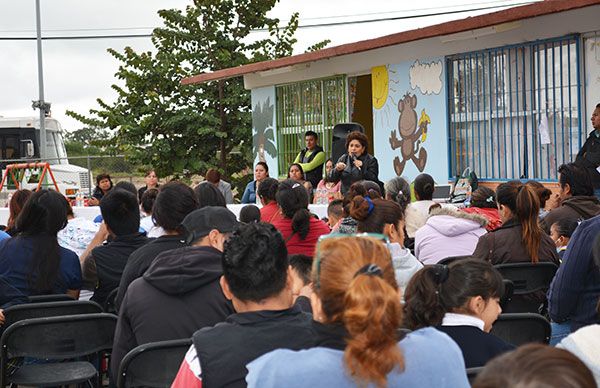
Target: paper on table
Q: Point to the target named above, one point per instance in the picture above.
(543, 129)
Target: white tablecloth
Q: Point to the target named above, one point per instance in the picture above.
(92, 211)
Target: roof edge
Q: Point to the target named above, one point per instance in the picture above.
(470, 23)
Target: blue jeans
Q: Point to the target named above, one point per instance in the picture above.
(559, 331)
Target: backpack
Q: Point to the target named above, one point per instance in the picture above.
(464, 185)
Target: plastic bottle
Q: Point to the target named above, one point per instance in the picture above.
(79, 199)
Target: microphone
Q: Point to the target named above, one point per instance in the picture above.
(353, 159)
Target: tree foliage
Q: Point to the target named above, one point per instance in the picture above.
(186, 129)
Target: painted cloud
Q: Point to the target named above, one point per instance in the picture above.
(427, 77)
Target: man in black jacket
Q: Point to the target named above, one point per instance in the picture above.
(102, 264)
(589, 155)
(180, 291)
(256, 278)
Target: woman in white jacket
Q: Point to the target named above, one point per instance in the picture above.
(386, 217)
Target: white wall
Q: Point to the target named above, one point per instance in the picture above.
(591, 51)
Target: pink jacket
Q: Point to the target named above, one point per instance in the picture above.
(446, 233)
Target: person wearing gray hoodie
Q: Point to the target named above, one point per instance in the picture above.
(448, 232)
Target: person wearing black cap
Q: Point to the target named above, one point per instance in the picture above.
(180, 292)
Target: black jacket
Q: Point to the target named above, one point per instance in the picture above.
(140, 260)
(110, 261)
(477, 346)
(315, 175)
(589, 157)
(177, 295)
(224, 350)
(369, 171)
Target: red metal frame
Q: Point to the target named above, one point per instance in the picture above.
(10, 169)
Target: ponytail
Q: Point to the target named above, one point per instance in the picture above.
(355, 282)
(301, 222)
(438, 289)
(372, 313)
(524, 203)
(527, 211)
(422, 302)
(292, 198)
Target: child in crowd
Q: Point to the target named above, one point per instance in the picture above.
(301, 267)
(250, 213)
(335, 213)
(483, 202)
(561, 232)
(461, 300)
(357, 312)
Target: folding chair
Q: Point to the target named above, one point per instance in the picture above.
(152, 365)
(509, 289)
(49, 298)
(450, 259)
(109, 303)
(55, 342)
(522, 328)
(529, 279)
(48, 309)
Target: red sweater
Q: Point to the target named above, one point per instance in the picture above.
(295, 245)
(270, 213)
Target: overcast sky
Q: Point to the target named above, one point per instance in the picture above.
(76, 72)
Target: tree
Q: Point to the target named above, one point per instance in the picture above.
(186, 129)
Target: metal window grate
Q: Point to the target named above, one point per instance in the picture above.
(497, 99)
(315, 105)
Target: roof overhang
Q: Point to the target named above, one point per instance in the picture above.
(454, 30)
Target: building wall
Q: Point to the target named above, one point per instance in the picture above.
(264, 139)
(409, 119)
(591, 48)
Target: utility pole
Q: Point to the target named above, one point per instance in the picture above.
(43, 106)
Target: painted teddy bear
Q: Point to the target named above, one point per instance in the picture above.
(412, 132)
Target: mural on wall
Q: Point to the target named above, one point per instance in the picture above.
(413, 134)
(263, 137)
(409, 119)
(264, 141)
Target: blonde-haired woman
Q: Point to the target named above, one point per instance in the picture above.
(356, 307)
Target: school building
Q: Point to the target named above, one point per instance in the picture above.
(508, 94)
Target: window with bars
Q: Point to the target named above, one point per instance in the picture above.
(514, 112)
(315, 105)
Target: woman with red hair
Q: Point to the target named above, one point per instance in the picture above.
(356, 306)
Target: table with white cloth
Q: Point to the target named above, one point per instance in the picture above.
(91, 212)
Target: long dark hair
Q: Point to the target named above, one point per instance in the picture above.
(438, 289)
(292, 198)
(44, 214)
(524, 203)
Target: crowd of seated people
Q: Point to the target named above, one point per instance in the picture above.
(283, 287)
